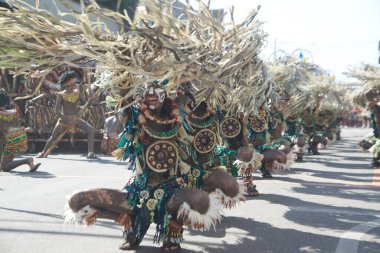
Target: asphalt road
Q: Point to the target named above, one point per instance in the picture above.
(327, 204)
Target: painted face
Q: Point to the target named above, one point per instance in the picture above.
(154, 96)
(71, 82)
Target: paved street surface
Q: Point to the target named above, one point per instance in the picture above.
(329, 203)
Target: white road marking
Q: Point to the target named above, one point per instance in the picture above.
(349, 241)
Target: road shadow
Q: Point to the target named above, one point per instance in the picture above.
(36, 174)
(321, 216)
(349, 193)
(352, 177)
(255, 236)
(83, 158)
(238, 234)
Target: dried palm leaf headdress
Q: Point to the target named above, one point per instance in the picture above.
(156, 46)
(369, 76)
(293, 79)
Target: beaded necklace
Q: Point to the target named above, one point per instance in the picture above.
(176, 119)
(71, 97)
(161, 135)
(203, 121)
(175, 116)
(8, 116)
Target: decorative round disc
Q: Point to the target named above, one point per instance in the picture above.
(205, 141)
(258, 123)
(161, 156)
(230, 127)
(309, 122)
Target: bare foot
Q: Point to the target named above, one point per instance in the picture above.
(171, 247)
(31, 162)
(33, 167)
(92, 156)
(127, 246)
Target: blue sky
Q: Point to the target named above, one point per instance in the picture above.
(337, 33)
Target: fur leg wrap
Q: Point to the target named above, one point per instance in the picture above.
(85, 215)
(300, 150)
(324, 147)
(124, 220)
(290, 160)
(246, 168)
(196, 220)
(230, 202)
(280, 167)
(375, 149)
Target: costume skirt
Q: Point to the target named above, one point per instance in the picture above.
(17, 142)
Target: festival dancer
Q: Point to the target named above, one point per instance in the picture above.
(236, 154)
(309, 128)
(257, 126)
(368, 96)
(201, 123)
(274, 152)
(297, 138)
(219, 163)
(13, 139)
(278, 141)
(293, 79)
(158, 191)
(373, 105)
(69, 113)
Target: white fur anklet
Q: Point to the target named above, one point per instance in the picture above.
(196, 220)
(230, 202)
(78, 217)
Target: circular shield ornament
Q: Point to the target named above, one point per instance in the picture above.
(161, 156)
(309, 121)
(205, 141)
(230, 127)
(258, 123)
(144, 194)
(196, 173)
(151, 204)
(158, 194)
